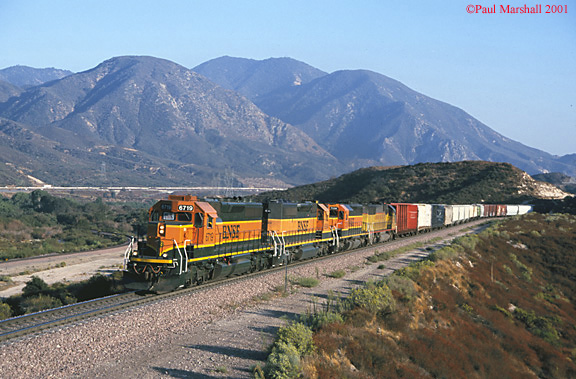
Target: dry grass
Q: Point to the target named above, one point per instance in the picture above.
(502, 307)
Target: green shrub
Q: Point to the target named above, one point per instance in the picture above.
(373, 298)
(447, 252)
(5, 311)
(39, 303)
(525, 271)
(412, 271)
(403, 285)
(298, 335)
(283, 362)
(541, 326)
(34, 287)
(5, 279)
(305, 281)
(467, 241)
(337, 274)
(317, 320)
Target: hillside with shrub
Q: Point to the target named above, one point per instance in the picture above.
(450, 183)
(497, 304)
(38, 223)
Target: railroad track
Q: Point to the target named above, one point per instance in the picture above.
(35, 323)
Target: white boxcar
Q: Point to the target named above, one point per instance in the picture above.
(460, 213)
(523, 209)
(424, 216)
(512, 210)
(448, 215)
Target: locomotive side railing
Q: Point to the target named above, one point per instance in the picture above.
(279, 244)
(183, 263)
(128, 252)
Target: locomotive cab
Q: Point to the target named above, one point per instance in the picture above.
(176, 227)
(338, 217)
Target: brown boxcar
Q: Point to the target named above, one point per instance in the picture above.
(490, 210)
(406, 218)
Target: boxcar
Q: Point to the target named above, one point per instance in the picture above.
(490, 210)
(438, 216)
(406, 218)
(424, 217)
(523, 209)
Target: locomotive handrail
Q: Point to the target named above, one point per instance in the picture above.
(128, 252)
(281, 243)
(335, 237)
(186, 253)
(181, 256)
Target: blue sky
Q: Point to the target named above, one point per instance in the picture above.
(514, 72)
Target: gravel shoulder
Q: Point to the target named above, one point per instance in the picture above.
(217, 333)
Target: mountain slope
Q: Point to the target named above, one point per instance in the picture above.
(365, 118)
(362, 117)
(7, 90)
(450, 183)
(166, 111)
(257, 79)
(172, 125)
(24, 76)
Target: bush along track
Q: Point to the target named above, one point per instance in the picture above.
(500, 303)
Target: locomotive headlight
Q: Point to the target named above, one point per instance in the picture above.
(161, 230)
(164, 255)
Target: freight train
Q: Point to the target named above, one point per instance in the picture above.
(190, 241)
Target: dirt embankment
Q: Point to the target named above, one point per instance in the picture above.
(60, 268)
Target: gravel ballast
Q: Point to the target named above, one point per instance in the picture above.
(220, 332)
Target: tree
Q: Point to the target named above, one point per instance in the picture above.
(34, 287)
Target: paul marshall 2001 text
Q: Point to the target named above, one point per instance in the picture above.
(525, 9)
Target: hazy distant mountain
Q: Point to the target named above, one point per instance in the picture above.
(365, 118)
(29, 158)
(257, 79)
(24, 76)
(7, 90)
(164, 110)
(144, 120)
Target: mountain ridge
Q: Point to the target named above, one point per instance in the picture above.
(283, 121)
(170, 112)
(25, 76)
(466, 182)
(365, 118)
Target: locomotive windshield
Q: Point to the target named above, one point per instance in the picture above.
(168, 216)
(184, 216)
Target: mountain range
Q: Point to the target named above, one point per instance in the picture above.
(137, 120)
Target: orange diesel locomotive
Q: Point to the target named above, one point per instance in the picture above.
(190, 241)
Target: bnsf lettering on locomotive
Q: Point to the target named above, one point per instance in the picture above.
(302, 226)
(230, 231)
